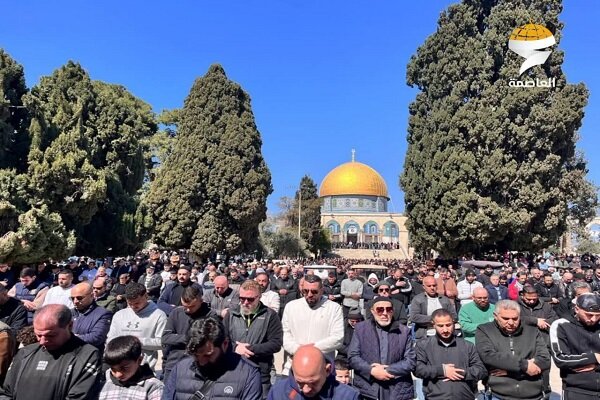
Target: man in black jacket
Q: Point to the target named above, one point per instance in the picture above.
(449, 366)
(255, 331)
(178, 324)
(514, 354)
(60, 366)
(575, 348)
(332, 288)
(12, 312)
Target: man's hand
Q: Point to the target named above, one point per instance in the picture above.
(355, 296)
(585, 368)
(224, 312)
(554, 300)
(498, 372)
(119, 297)
(29, 305)
(331, 297)
(378, 372)
(452, 373)
(283, 291)
(400, 283)
(243, 350)
(542, 324)
(597, 357)
(532, 368)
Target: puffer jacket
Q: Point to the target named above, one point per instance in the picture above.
(365, 350)
(331, 390)
(235, 378)
(510, 353)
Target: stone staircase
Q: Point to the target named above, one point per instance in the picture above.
(368, 254)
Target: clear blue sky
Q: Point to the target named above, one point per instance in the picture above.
(324, 76)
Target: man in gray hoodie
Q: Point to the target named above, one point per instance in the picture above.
(141, 319)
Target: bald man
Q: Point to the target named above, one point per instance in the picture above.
(60, 366)
(311, 377)
(222, 297)
(473, 314)
(90, 321)
(424, 304)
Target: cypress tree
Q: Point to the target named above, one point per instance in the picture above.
(490, 166)
(210, 194)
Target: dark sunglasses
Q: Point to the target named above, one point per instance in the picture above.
(384, 290)
(248, 299)
(312, 291)
(78, 298)
(381, 310)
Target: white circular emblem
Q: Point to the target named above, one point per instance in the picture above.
(228, 390)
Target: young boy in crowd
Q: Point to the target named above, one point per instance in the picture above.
(342, 372)
(127, 378)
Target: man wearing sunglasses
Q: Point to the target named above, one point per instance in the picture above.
(255, 331)
(382, 355)
(383, 290)
(313, 319)
(90, 321)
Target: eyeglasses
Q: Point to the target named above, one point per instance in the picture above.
(381, 310)
(312, 291)
(247, 299)
(79, 298)
(97, 288)
(384, 290)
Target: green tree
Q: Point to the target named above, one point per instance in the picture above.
(310, 216)
(210, 193)
(14, 141)
(490, 166)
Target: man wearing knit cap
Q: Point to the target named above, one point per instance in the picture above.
(354, 317)
(383, 290)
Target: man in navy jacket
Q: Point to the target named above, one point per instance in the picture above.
(90, 321)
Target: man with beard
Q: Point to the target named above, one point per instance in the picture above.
(466, 287)
(351, 290)
(222, 298)
(400, 286)
(484, 278)
(90, 321)
(549, 291)
(382, 355)
(268, 297)
(566, 306)
(102, 296)
(29, 291)
(214, 370)
(541, 315)
(286, 287)
(255, 331)
(449, 366)
(313, 319)
(313, 377)
(514, 354)
(178, 324)
(575, 348)
(332, 288)
(152, 281)
(61, 294)
(171, 295)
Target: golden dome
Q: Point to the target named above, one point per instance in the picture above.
(353, 178)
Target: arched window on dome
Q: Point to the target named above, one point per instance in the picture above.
(371, 227)
(333, 227)
(391, 229)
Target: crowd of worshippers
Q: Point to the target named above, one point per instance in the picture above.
(155, 327)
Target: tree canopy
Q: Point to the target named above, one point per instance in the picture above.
(210, 193)
(490, 166)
